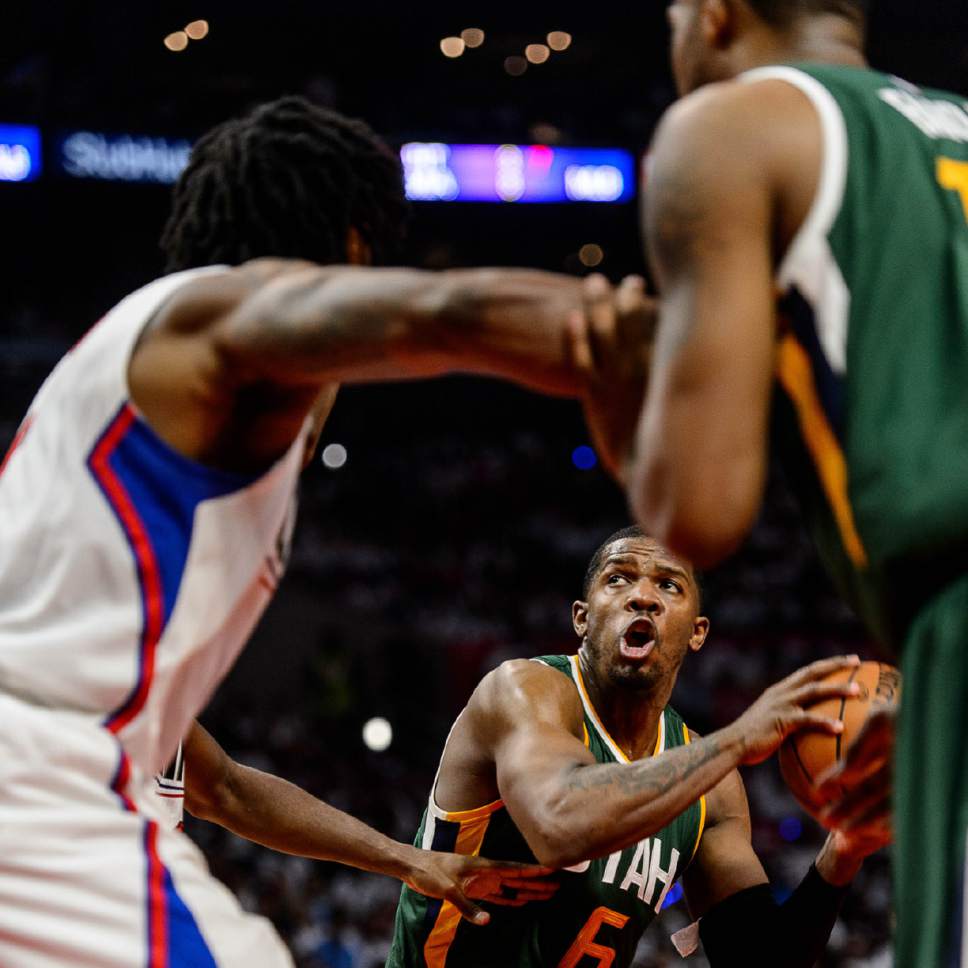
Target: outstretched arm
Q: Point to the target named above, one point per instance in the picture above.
(571, 808)
(727, 888)
(296, 324)
(275, 813)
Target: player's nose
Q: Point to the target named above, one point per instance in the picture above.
(643, 597)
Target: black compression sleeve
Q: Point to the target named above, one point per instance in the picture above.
(750, 929)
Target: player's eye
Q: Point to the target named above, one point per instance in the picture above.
(670, 584)
(615, 579)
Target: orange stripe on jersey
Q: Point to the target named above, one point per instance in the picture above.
(469, 841)
(580, 679)
(795, 373)
(467, 816)
(687, 736)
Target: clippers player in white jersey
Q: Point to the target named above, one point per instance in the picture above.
(148, 501)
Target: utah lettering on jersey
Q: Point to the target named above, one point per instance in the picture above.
(642, 875)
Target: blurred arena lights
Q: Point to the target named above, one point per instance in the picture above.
(591, 255)
(177, 41)
(559, 40)
(537, 53)
(791, 829)
(377, 734)
(473, 37)
(334, 456)
(515, 65)
(584, 458)
(20, 156)
(197, 30)
(452, 47)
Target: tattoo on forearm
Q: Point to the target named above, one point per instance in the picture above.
(655, 777)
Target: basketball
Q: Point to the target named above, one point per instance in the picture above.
(807, 755)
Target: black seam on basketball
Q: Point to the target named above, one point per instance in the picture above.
(796, 753)
(843, 706)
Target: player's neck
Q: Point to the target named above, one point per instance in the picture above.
(823, 40)
(631, 716)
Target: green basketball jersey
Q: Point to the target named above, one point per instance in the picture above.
(872, 412)
(599, 912)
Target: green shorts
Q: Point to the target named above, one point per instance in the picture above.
(931, 785)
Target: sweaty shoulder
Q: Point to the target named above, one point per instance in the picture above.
(526, 691)
(204, 300)
(515, 698)
(186, 385)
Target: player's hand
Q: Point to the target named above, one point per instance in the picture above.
(780, 710)
(857, 790)
(611, 344)
(463, 880)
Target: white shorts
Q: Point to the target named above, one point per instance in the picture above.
(86, 880)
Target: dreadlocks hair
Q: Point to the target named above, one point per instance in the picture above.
(287, 180)
(782, 13)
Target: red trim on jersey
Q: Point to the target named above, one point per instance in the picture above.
(120, 781)
(149, 577)
(18, 439)
(157, 901)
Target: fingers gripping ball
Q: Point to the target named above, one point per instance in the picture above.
(805, 756)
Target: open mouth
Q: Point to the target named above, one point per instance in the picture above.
(638, 640)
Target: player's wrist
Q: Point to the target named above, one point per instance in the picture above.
(837, 863)
(405, 862)
(734, 739)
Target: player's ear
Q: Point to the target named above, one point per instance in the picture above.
(358, 252)
(579, 618)
(700, 629)
(717, 21)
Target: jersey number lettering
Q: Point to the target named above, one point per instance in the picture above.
(585, 942)
(953, 175)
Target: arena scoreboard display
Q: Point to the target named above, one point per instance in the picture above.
(517, 173)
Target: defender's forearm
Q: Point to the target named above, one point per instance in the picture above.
(351, 325)
(277, 814)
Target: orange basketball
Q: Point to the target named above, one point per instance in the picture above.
(805, 756)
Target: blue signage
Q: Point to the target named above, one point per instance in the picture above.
(19, 153)
(517, 173)
(123, 157)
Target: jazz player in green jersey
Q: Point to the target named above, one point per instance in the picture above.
(791, 169)
(580, 762)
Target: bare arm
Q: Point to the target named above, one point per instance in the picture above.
(571, 808)
(234, 360)
(275, 813)
(713, 216)
(297, 324)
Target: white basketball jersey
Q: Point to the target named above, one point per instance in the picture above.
(130, 576)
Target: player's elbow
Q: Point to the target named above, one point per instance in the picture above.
(213, 800)
(704, 519)
(561, 837)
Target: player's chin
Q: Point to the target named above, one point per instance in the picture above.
(634, 674)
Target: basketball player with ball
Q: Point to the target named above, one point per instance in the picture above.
(579, 762)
